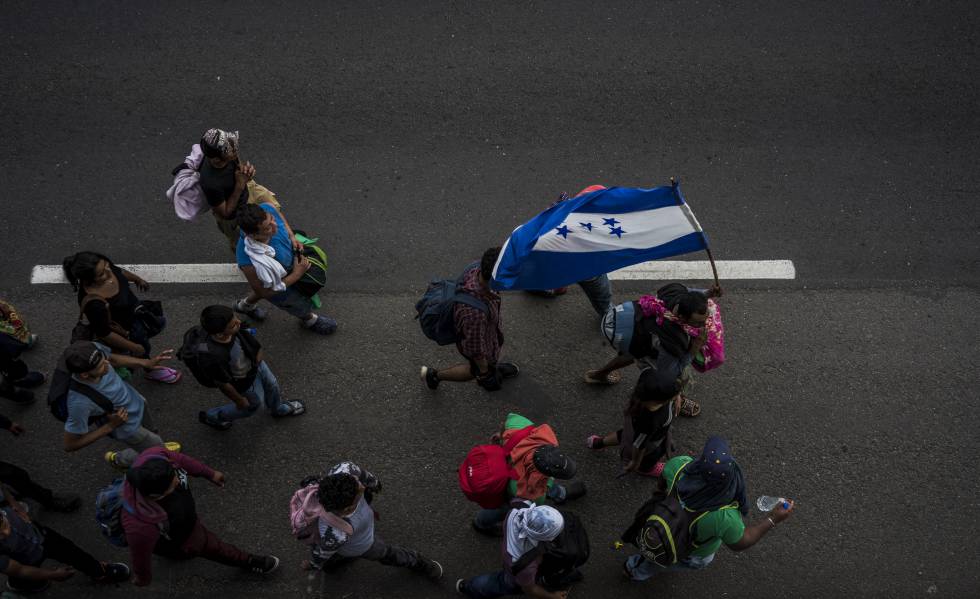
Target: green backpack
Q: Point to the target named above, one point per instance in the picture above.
(316, 277)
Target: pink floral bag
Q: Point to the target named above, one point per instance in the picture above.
(713, 350)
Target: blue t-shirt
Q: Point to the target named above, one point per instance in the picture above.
(117, 391)
(280, 243)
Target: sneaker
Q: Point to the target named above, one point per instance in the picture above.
(202, 417)
(262, 564)
(114, 573)
(110, 457)
(33, 379)
(461, 586)
(172, 446)
(508, 370)
(324, 325)
(21, 396)
(429, 376)
(594, 442)
(253, 310)
(68, 502)
(431, 568)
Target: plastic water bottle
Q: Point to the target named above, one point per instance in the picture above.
(767, 503)
(251, 331)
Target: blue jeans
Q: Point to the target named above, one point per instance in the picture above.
(599, 291)
(640, 569)
(265, 389)
(496, 584)
(488, 519)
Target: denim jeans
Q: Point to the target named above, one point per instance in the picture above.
(640, 569)
(599, 291)
(496, 584)
(488, 519)
(293, 303)
(265, 390)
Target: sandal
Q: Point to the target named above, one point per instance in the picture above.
(655, 472)
(689, 407)
(594, 442)
(611, 379)
(297, 408)
(163, 375)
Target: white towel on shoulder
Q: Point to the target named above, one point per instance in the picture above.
(263, 257)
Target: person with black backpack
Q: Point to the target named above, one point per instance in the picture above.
(476, 328)
(543, 549)
(222, 355)
(698, 507)
(95, 402)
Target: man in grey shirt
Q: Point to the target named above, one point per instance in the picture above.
(346, 530)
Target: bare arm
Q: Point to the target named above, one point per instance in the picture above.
(133, 362)
(754, 532)
(300, 266)
(74, 442)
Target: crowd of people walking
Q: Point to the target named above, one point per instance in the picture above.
(522, 479)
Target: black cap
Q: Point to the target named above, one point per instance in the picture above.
(82, 356)
(550, 460)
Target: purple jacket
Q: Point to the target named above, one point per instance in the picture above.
(142, 526)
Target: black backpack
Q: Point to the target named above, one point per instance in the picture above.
(195, 346)
(61, 383)
(562, 557)
(435, 310)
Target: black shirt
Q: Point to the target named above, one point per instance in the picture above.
(219, 183)
(217, 363)
(652, 424)
(670, 335)
(181, 515)
(122, 306)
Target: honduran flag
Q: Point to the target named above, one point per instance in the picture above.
(596, 233)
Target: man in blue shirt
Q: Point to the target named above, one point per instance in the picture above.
(268, 256)
(91, 364)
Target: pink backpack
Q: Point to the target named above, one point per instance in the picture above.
(305, 513)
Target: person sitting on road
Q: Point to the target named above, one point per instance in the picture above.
(346, 529)
(232, 359)
(270, 258)
(480, 337)
(16, 379)
(665, 345)
(538, 461)
(644, 440)
(162, 517)
(111, 308)
(25, 545)
(91, 364)
(711, 484)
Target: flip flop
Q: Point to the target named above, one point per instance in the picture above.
(163, 375)
(297, 409)
(611, 379)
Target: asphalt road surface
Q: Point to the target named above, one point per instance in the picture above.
(410, 136)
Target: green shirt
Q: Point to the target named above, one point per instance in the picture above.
(714, 528)
(516, 421)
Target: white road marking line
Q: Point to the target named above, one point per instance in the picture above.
(43, 274)
(155, 273)
(701, 270)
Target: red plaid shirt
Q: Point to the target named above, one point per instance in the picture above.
(478, 334)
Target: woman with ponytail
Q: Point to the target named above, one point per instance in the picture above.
(111, 309)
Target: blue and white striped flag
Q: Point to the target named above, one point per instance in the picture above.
(597, 233)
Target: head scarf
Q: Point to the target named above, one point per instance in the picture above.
(713, 480)
(529, 526)
(224, 143)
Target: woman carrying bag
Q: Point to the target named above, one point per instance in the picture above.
(109, 312)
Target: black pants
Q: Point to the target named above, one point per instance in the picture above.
(62, 550)
(20, 481)
(383, 553)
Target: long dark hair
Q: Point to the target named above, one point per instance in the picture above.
(80, 268)
(651, 387)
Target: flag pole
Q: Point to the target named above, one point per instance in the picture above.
(711, 259)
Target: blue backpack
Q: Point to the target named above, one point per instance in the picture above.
(435, 309)
(109, 505)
